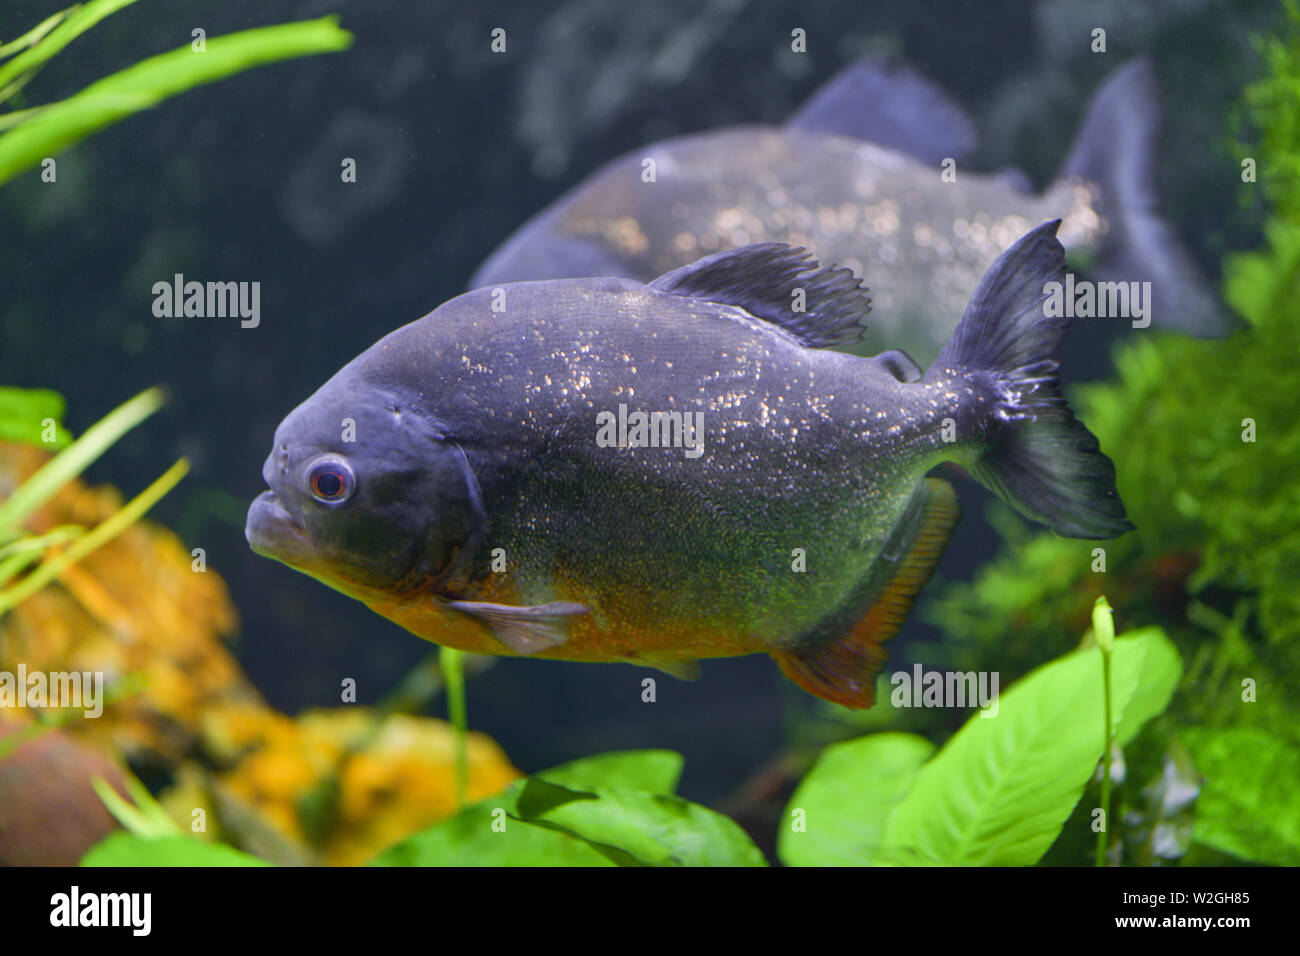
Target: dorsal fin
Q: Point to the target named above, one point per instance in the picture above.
(764, 279)
(844, 669)
(883, 102)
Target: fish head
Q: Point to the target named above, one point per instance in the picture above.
(366, 493)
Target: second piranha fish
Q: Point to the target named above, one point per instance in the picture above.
(604, 470)
(860, 176)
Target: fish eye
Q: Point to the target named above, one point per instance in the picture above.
(330, 480)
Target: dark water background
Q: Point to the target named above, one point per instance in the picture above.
(455, 147)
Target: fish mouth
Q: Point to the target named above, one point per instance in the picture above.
(272, 532)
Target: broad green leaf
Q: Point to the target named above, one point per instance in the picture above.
(23, 412)
(640, 829)
(124, 849)
(149, 82)
(1157, 680)
(653, 771)
(1250, 803)
(845, 800)
(470, 839)
(1002, 788)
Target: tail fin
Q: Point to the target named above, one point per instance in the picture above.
(1039, 458)
(1115, 149)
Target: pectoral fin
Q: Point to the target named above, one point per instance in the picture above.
(525, 630)
(844, 668)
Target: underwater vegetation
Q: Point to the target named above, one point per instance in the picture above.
(997, 793)
(135, 610)
(1205, 453)
(333, 786)
(32, 133)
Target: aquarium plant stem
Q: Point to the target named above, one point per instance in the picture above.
(1103, 629)
(453, 673)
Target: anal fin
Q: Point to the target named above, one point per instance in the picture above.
(844, 669)
(680, 667)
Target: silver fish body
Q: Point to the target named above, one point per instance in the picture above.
(904, 213)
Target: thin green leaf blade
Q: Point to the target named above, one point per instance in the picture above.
(149, 82)
(41, 48)
(45, 483)
(34, 35)
(102, 533)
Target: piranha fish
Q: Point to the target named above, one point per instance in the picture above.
(465, 478)
(856, 177)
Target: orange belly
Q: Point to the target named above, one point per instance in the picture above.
(605, 634)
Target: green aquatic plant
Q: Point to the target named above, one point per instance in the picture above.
(30, 561)
(1250, 805)
(126, 849)
(998, 793)
(34, 416)
(1103, 632)
(1205, 442)
(453, 670)
(19, 549)
(1270, 107)
(611, 809)
(142, 814)
(32, 134)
